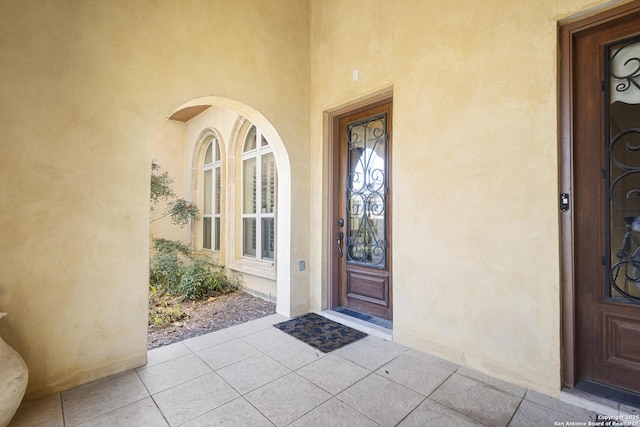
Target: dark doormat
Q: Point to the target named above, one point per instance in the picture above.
(320, 332)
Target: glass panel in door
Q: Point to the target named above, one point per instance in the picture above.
(366, 193)
(623, 122)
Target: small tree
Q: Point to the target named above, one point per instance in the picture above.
(179, 210)
(173, 268)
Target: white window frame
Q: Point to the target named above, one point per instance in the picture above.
(215, 166)
(258, 153)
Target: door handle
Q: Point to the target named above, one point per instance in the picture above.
(340, 237)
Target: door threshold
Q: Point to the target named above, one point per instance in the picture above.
(387, 324)
(602, 399)
(360, 324)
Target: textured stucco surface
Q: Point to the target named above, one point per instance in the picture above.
(169, 153)
(475, 169)
(86, 85)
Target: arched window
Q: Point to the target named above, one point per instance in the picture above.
(211, 175)
(258, 197)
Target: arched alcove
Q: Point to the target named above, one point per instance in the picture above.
(195, 107)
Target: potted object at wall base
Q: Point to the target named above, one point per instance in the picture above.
(14, 376)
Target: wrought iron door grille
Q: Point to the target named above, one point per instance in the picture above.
(366, 194)
(622, 172)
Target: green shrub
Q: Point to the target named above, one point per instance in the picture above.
(174, 270)
(201, 279)
(165, 271)
(164, 245)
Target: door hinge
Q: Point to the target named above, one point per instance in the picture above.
(603, 173)
(604, 260)
(602, 86)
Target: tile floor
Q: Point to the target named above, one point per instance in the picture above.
(256, 375)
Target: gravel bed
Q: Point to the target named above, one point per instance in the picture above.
(202, 317)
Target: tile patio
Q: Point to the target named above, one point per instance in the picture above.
(256, 375)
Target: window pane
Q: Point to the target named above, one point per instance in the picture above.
(249, 193)
(268, 183)
(249, 237)
(268, 238)
(206, 233)
(217, 195)
(264, 142)
(207, 155)
(250, 140)
(217, 150)
(206, 199)
(217, 235)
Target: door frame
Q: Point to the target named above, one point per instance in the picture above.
(567, 32)
(333, 183)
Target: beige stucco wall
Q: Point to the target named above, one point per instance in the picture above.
(169, 153)
(85, 87)
(475, 169)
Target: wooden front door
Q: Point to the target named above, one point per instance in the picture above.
(605, 104)
(363, 215)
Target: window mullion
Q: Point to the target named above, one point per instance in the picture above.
(206, 202)
(258, 197)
